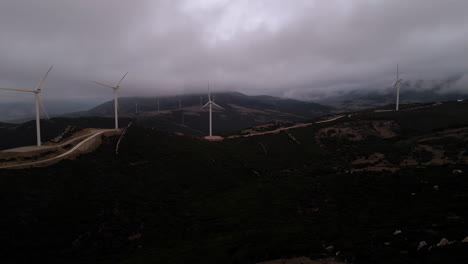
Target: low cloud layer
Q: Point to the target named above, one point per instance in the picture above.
(299, 49)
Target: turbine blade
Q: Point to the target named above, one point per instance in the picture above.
(218, 106)
(207, 104)
(106, 85)
(118, 84)
(41, 82)
(18, 90)
(43, 108)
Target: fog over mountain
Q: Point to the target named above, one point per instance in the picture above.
(301, 49)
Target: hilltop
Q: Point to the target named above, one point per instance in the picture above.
(367, 187)
(240, 111)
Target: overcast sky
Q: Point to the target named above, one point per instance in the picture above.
(294, 48)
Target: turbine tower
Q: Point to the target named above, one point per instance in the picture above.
(397, 85)
(211, 104)
(37, 90)
(181, 112)
(116, 103)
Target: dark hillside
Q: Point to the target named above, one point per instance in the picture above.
(179, 199)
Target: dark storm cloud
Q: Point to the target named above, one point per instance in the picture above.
(293, 48)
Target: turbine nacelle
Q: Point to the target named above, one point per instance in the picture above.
(213, 104)
(38, 87)
(397, 82)
(210, 104)
(116, 87)
(106, 85)
(397, 85)
(116, 104)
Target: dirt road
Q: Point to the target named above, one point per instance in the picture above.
(286, 128)
(86, 138)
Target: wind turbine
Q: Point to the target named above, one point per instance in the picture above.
(181, 112)
(158, 105)
(37, 90)
(397, 85)
(211, 104)
(116, 103)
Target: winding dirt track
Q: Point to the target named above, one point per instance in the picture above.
(287, 128)
(323, 121)
(88, 138)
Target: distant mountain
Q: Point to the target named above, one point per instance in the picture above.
(409, 93)
(20, 112)
(240, 111)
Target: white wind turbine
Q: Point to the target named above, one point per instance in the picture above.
(211, 104)
(37, 90)
(158, 105)
(397, 85)
(116, 103)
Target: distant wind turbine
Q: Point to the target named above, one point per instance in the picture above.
(181, 112)
(397, 85)
(37, 90)
(116, 103)
(211, 103)
(158, 105)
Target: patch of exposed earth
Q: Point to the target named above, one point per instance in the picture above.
(438, 155)
(360, 130)
(375, 162)
(302, 260)
(460, 133)
(266, 127)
